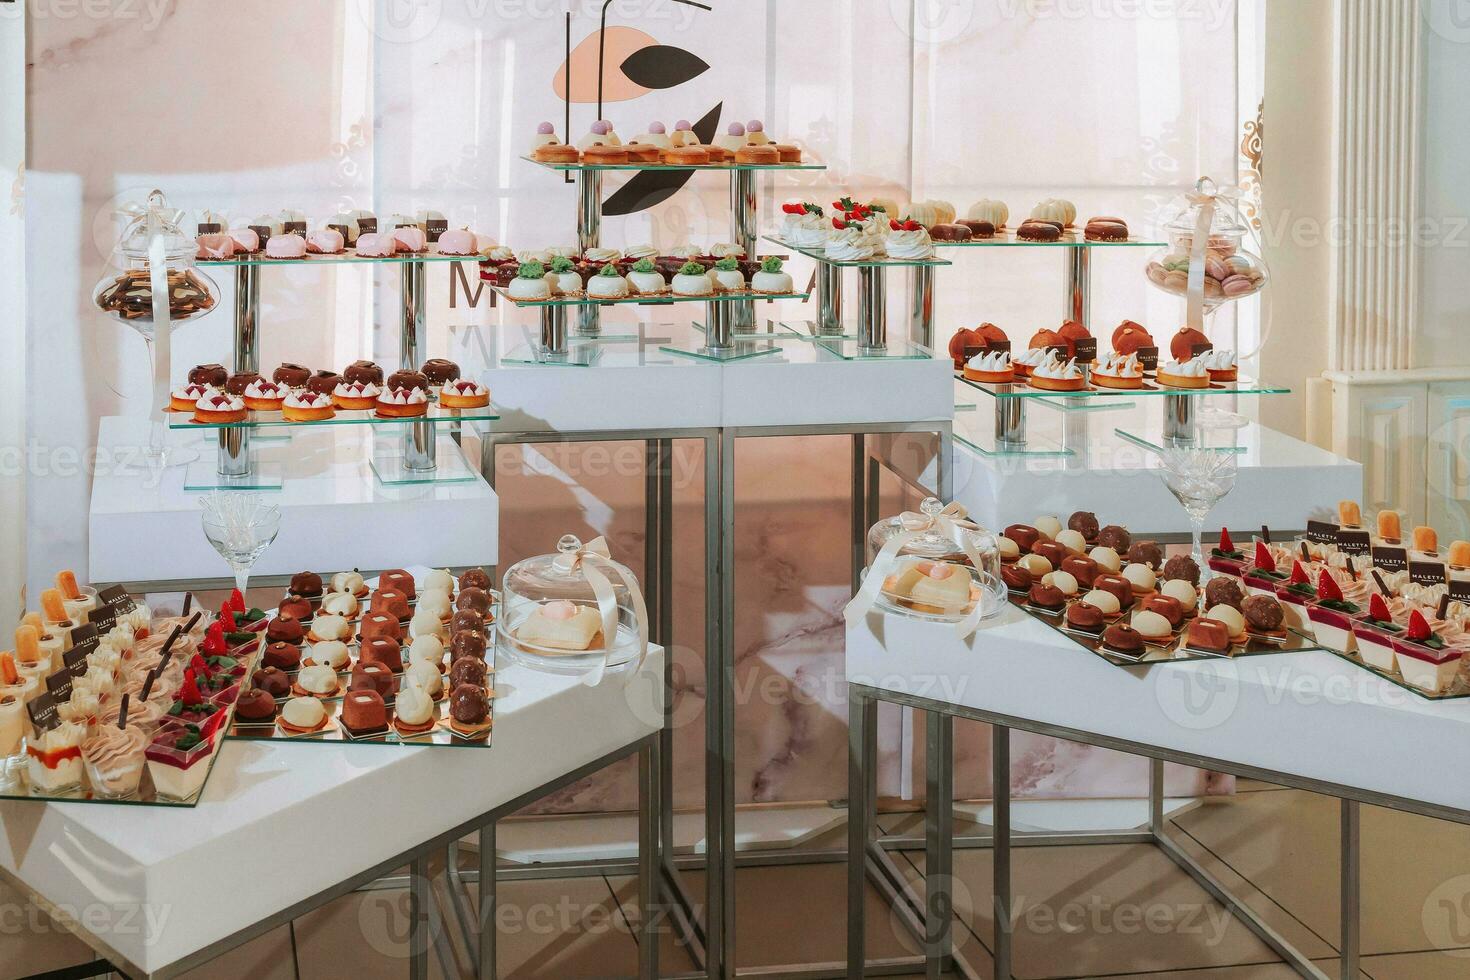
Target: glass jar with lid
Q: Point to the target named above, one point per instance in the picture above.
(1231, 272)
(938, 535)
(125, 291)
(557, 611)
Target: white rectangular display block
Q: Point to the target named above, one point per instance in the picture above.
(143, 528)
(1309, 714)
(280, 823)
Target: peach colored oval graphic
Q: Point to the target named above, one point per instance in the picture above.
(616, 86)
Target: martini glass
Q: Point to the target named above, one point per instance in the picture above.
(1198, 478)
(240, 526)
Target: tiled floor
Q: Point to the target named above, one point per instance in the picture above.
(1116, 911)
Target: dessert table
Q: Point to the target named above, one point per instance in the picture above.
(158, 892)
(1307, 720)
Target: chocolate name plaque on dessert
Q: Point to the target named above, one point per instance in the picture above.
(1390, 559)
(1322, 532)
(1427, 572)
(1354, 542)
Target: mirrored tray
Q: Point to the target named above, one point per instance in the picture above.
(348, 257)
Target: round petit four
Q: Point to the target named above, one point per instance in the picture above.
(1063, 582)
(327, 241)
(467, 670)
(1082, 568)
(413, 711)
(255, 705)
(1180, 590)
(1117, 585)
(425, 623)
(1124, 639)
(466, 621)
(1115, 536)
(473, 598)
(328, 653)
(1106, 557)
(1263, 614)
(323, 382)
(469, 710)
(407, 379)
(426, 676)
(426, 648)
(556, 153)
(1224, 591)
(1016, 578)
(467, 645)
(1166, 606)
(606, 156)
(1039, 231)
(273, 681)
(1085, 616)
(1023, 534)
(1035, 564)
(474, 578)
(343, 604)
(771, 278)
(291, 246)
(608, 283)
(185, 398)
(318, 680)
(296, 607)
(692, 155)
(1053, 551)
(282, 656)
(307, 406)
(464, 393)
(284, 629)
(1230, 616)
(351, 583)
(1140, 576)
(727, 276)
(392, 602)
(1208, 634)
(1181, 567)
(383, 650)
(457, 241)
(692, 280)
(760, 155)
(302, 715)
(1044, 596)
(530, 283)
(1151, 625)
(216, 406)
(328, 627)
(402, 403)
(1103, 600)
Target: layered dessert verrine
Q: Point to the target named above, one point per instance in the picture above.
(1425, 660)
(1331, 617)
(1375, 634)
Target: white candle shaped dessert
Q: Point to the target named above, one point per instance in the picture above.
(57, 622)
(50, 643)
(77, 601)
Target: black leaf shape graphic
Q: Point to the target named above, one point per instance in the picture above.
(653, 187)
(662, 66)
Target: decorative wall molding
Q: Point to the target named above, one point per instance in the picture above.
(1379, 102)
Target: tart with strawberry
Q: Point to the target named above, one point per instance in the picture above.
(464, 393)
(1224, 557)
(1375, 634)
(184, 399)
(1262, 577)
(1295, 595)
(1425, 660)
(356, 396)
(216, 407)
(1331, 616)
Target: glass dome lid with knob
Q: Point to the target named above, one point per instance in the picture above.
(573, 612)
(932, 533)
(125, 291)
(1231, 272)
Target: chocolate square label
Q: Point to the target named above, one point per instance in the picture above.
(103, 618)
(1195, 350)
(1459, 589)
(1086, 350)
(1354, 542)
(1322, 532)
(43, 713)
(1148, 357)
(1390, 559)
(59, 684)
(1427, 572)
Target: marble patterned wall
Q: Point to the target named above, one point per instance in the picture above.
(396, 106)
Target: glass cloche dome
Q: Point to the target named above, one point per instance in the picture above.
(125, 292)
(1231, 272)
(932, 536)
(551, 610)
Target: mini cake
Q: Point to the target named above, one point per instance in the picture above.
(372, 677)
(283, 656)
(472, 598)
(1037, 565)
(328, 653)
(317, 680)
(1072, 540)
(186, 397)
(410, 239)
(727, 275)
(216, 406)
(468, 670)
(1104, 601)
(1182, 345)
(384, 651)
(1115, 536)
(1166, 606)
(1153, 627)
(990, 367)
(1233, 620)
(692, 280)
(547, 148)
(291, 246)
(273, 681)
(469, 711)
(1046, 597)
(1106, 229)
(400, 403)
(606, 156)
(1106, 557)
(1140, 576)
(1224, 592)
(323, 382)
(1262, 577)
(413, 712)
(351, 583)
(380, 624)
(564, 278)
(1118, 371)
(1181, 567)
(255, 706)
(392, 602)
(178, 761)
(601, 134)
(607, 284)
(692, 155)
(1220, 364)
(325, 628)
(1184, 374)
(1052, 374)
(356, 396)
(759, 155)
(1331, 616)
(1146, 553)
(363, 371)
(530, 283)
(1295, 594)
(1119, 586)
(407, 379)
(1123, 639)
(1425, 661)
(364, 713)
(1082, 568)
(440, 371)
(399, 580)
(646, 279)
(283, 629)
(1130, 338)
(308, 585)
(558, 624)
(1016, 578)
(291, 375)
(1039, 231)
(1053, 551)
(464, 393)
(1209, 635)
(427, 648)
(1085, 617)
(1181, 592)
(307, 406)
(302, 716)
(474, 578)
(1376, 634)
(1057, 210)
(297, 607)
(771, 278)
(209, 375)
(265, 396)
(328, 241)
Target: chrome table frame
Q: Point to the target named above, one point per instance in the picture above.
(424, 913)
(938, 842)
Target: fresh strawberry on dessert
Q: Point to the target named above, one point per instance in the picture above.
(1331, 616)
(1225, 558)
(1261, 577)
(214, 638)
(1295, 594)
(1375, 634)
(1425, 660)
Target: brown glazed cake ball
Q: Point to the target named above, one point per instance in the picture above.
(950, 233)
(284, 629)
(1119, 586)
(1262, 613)
(297, 607)
(407, 379)
(324, 382)
(473, 598)
(1146, 552)
(1038, 231)
(364, 712)
(467, 645)
(255, 705)
(468, 705)
(1116, 537)
(308, 584)
(1082, 568)
(371, 677)
(1084, 522)
(467, 670)
(291, 375)
(213, 375)
(363, 372)
(466, 621)
(1085, 616)
(1223, 591)
(384, 651)
(273, 681)
(237, 383)
(1024, 535)
(440, 371)
(1046, 597)
(1166, 606)
(1124, 639)
(1182, 567)
(283, 656)
(1016, 578)
(1208, 634)
(1052, 552)
(474, 578)
(375, 625)
(399, 580)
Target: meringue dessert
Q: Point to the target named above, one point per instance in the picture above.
(909, 240)
(530, 283)
(805, 225)
(1057, 210)
(994, 212)
(992, 367)
(646, 279)
(1188, 374)
(771, 278)
(607, 284)
(560, 625)
(931, 586)
(1118, 371)
(692, 280)
(727, 275)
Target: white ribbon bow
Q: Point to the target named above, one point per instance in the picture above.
(592, 558)
(1211, 200)
(953, 522)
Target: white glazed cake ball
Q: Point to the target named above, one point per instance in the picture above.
(1140, 576)
(304, 713)
(1177, 588)
(1009, 550)
(1106, 558)
(1230, 616)
(1103, 600)
(1048, 525)
(1072, 540)
(1063, 582)
(1035, 564)
(1151, 624)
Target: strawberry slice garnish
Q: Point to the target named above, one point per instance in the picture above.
(214, 638)
(1298, 574)
(1327, 589)
(237, 601)
(793, 208)
(1378, 608)
(1264, 561)
(894, 225)
(189, 693)
(1419, 626)
(1225, 543)
(227, 616)
(912, 226)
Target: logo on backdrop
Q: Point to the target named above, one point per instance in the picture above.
(1199, 698)
(1450, 19)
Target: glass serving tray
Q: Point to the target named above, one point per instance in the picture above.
(673, 166)
(663, 299)
(348, 257)
(436, 415)
(1174, 651)
(883, 262)
(1459, 689)
(1006, 238)
(1151, 389)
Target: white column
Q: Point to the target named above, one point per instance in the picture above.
(1375, 279)
(13, 323)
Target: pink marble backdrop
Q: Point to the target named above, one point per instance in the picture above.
(321, 107)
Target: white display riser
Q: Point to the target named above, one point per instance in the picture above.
(146, 530)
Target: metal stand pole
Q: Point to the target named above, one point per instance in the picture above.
(829, 299)
(921, 306)
(1078, 305)
(859, 508)
(247, 314)
(234, 451)
(649, 860)
(589, 235)
(862, 715)
(939, 845)
(420, 441)
(485, 958)
(872, 308)
(719, 325)
(1010, 423)
(1000, 764)
(420, 898)
(720, 715)
(1351, 892)
(1179, 427)
(744, 207)
(553, 330)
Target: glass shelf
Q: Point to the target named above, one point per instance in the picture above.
(873, 263)
(850, 349)
(203, 475)
(574, 167)
(742, 349)
(666, 299)
(1071, 239)
(348, 257)
(976, 431)
(1215, 440)
(451, 466)
(437, 415)
(1243, 386)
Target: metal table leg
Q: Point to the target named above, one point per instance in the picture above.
(649, 859)
(420, 898)
(485, 956)
(719, 710)
(420, 439)
(1000, 764)
(1351, 890)
(938, 844)
(862, 715)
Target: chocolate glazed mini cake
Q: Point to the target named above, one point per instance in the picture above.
(364, 713)
(469, 710)
(440, 371)
(323, 382)
(291, 375)
(363, 372)
(1085, 616)
(474, 578)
